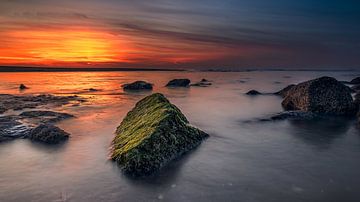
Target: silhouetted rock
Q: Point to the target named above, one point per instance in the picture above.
(138, 85)
(93, 90)
(253, 92)
(178, 83)
(152, 134)
(49, 134)
(355, 81)
(202, 83)
(284, 92)
(323, 95)
(22, 87)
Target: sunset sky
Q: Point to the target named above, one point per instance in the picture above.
(195, 34)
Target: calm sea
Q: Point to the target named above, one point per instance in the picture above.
(241, 161)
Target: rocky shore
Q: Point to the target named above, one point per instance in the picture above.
(26, 124)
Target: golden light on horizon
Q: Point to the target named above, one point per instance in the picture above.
(64, 46)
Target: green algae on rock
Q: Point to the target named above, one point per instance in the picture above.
(151, 135)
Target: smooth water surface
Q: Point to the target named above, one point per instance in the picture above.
(241, 161)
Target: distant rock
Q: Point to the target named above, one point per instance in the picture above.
(202, 83)
(178, 83)
(49, 134)
(138, 85)
(284, 92)
(93, 90)
(253, 92)
(22, 87)
(323, 95)
(355, 81)
(153, 134)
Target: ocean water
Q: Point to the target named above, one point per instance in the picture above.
(243, 160)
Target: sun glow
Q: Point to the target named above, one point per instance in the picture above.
(64, 46)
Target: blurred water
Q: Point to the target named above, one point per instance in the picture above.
(241, 161)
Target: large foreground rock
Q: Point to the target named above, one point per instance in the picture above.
(138, 85)
(49, 134)
(284, 92)
(152, 134)
(324, 95)
(178, 83)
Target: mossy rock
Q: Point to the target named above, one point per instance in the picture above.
(152, 134)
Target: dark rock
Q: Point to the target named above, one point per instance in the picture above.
(284, 92)
(13, 102)
(153, 134)
(178, 83)
(49, 134)
(138, 85)
(202, 83)
(11, 128)
(22, 87)
(46, 116)
(324, 95)
(292, 115)
(2, 110)
(355, 88)
(355, 81)
(93, 90)
(253, 92)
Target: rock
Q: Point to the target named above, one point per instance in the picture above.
(253, 92)
(49, 134)
(153, 134)
(12, 102)
(93, 90)
(2, 110)
(323, 95)
(46, 116)
(355, 81)
(22, 87)
(11, 128)
(202, 83)
(138, 85)
(284, 92)
(292, 115)
(178, 83)
(355, 88)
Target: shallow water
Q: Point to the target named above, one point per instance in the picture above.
(241, 161)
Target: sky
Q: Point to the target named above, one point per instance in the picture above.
(194, 34)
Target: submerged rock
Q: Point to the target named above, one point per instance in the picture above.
(11, 128)
(138, 85)
(22, 87)
(355, 88)
(152, 134)
(49, 134)
(253, 92)
(178, 83)
(46, 116)
(284, 92)
(355, 81)
(324, 95)
(15, 102)
(292, 115)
